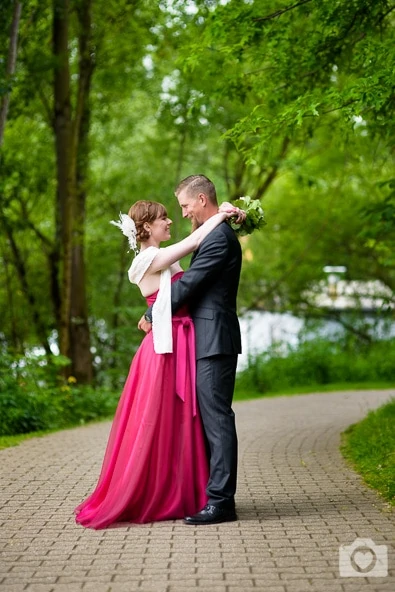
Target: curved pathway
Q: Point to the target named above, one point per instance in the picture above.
(297, 503)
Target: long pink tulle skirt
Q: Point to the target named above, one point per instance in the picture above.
(155, 466)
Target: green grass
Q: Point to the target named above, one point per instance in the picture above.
(369, 446)
(8, 441)
(243, 395)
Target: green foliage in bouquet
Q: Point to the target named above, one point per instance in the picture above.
(255, 216)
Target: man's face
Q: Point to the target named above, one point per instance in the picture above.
(192, 208)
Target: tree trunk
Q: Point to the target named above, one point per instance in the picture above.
(63, 144)
(117, 303)
(72, 153)
(10, 65)
(16, 341)
(79, 328)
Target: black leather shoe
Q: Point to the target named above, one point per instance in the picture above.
(212, 515)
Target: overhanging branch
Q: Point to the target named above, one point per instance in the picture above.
(280, 12)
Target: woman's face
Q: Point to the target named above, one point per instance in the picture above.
(160, 229)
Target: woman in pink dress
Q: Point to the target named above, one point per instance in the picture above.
(155, 465)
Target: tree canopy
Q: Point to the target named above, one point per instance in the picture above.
(289, 102)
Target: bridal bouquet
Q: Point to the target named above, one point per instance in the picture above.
(255, 216)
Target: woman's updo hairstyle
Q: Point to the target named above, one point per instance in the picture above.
(145, 211)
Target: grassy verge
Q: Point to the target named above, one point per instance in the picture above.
(8, 441)
(242, 394)
(369, 446)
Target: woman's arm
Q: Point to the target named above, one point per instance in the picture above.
(168, 255)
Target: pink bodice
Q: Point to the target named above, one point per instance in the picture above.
(183, 311)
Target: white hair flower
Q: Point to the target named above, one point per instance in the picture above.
(128, 227)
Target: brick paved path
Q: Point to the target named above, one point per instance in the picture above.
(297, 502)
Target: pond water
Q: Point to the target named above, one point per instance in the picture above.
(260, 330)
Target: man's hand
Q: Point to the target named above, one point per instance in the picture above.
(233, 212)
(144, 325)
(240, 216)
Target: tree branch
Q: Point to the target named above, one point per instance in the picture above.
(47, 242)
(280, 12)
(332, 315)
(273, 173)
(307, 249)
(47, 107)
(27, 290)
(383, 16)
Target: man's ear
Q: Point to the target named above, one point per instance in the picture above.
(202, 197)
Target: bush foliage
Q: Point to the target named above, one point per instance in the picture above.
(319, 362)
(34, 397)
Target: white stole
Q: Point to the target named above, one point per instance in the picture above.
(161, 309)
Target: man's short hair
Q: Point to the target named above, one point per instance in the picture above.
(195, 184)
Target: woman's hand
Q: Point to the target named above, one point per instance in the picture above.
(144, 325)
(233, 212)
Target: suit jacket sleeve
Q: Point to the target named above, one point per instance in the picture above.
(208, 261)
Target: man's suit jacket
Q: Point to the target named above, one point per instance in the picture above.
(209, 288)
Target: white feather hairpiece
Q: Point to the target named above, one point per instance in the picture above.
(128, 227)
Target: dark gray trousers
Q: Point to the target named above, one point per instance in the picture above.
(215, 381)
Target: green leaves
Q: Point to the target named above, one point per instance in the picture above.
(294, 108)
(309, 62)
(379, 228)
(255, 216)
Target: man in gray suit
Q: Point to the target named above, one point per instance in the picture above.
(209, 287)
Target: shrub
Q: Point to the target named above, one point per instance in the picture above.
(34, 397)
(318, 361)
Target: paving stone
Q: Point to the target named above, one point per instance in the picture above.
(297, 502)
(34, 587)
